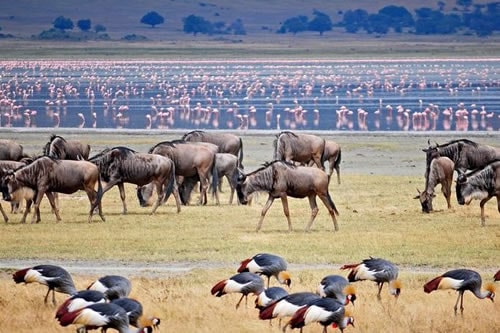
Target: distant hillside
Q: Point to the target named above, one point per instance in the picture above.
(261, 18)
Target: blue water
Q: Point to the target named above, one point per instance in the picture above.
(323, 95)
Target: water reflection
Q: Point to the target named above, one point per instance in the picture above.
(350, 95)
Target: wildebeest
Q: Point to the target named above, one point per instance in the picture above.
(226, 165)
(121, 165)
(466, 154)
(21, 194)
(191, 160)
(11, 150)
(59, 147)
(481, 184)
(441, 172)
(298, 147)
(46, 175)
(332, 154)
(227, 142)
(281, 179)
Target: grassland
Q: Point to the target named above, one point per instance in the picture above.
(378, 217)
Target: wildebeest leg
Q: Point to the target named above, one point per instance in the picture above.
(177, 198)
(122, 196)
(52, 201)
(447, 195)
(159, 196)
(204, 188)
(284, 202)
(314, 211)
(268, 204)
(327, 201)
(481, 204)
(27, 210)
(5, 217)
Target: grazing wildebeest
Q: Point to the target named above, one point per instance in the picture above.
(281, 179)
(226, 166)
(46, 175)
(121, 165)
(298, 147)
(191, 160)
(332, 154)
(441, 172)
(227, 142)
(11, 150)
(18, 196)
(481, 184)
(59, 147)
(466, 154)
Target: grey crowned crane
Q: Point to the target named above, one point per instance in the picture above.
(244, 283)
(113, 286)
(268, 296)
(54, 277)
(80, 300)
(135, 314)
(287, 306)
(337, 287)
(461, 280)
(378, 270)
(268, 265)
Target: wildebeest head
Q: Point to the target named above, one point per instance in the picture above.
(462, 189)
(8, 185)
(241, 188)
(145, 195)
(425, 199)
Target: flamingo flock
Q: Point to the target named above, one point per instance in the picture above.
(282, 95)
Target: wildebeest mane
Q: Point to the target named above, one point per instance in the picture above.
(193, 133)
(467, 141)
(35, 169)
(478, 170)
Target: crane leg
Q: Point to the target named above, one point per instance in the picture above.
(238, 304)
(456, 303)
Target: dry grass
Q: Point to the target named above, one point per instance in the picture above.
(378, 218)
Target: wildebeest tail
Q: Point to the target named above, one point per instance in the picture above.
(169, 186)
(99, 191)
(336, 164)
(330, 201)
(240, 157)
(323, 156)
(215, 177)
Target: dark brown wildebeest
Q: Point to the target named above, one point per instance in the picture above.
(46, 175)
(332, 154)
(227, 142)
(226, 166)
(281, 179)
(441, 172)
(191, 160)
(59, 147)
(466, 154)
(121, 165)
(11, 150)
(298, 147)
(481, 184)
(18, 196)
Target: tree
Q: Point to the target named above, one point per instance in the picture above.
(197, 24)
(294, 25)
(320, 23)
(237, 27)
(99, 28)
(353, 20)
(63, 23)
(84, 25)
(152, 19)
(464, 3)
(397, 16)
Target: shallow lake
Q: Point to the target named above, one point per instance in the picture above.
(373, 95)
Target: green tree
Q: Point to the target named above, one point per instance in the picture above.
(84, 25)
(397, 17)
(197, 24)
(99, 28)
(321, 23)
(353, 20)
(152, 19)
(294, 25)
(237, 27)
(63, 23)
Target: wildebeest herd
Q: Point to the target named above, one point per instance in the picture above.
(199, 157)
